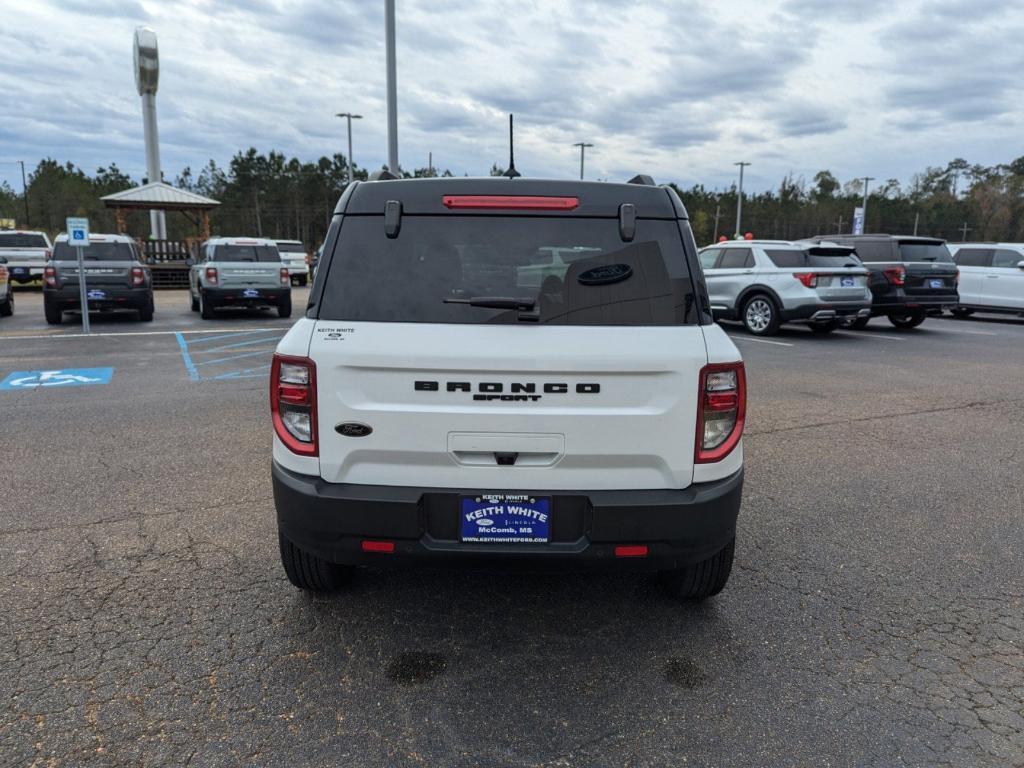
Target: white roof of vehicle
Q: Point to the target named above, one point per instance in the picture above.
(241, 241)
(289, 242)
(21, 232)
(158, 193)
(98, 238)
(748, 243)
(986, 245)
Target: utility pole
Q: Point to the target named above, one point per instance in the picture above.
(256, 201)
(839, 225)
(718, 215)
(24, 189)
(964, 229)
(392, 94)
(864, 209)
(350, 117)
(583, 148)
(917, 218)
(430, 163)
(739, 198)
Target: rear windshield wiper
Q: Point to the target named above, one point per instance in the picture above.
(497, 302)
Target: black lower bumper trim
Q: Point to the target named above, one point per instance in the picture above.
(680, 527)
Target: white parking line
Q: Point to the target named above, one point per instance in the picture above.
(15, 337)
(760, 341)
(964, 330)
(883, 337)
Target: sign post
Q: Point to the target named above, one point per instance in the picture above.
(858, 221)
(78, 237)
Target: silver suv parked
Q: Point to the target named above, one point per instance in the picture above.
(764, 283)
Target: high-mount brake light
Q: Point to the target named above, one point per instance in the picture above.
(895, 275)
(211, 275)
(285, 280)
(138, 277)
(721, 411)
(809, 279)
(293, 403)
(50, 277)
(511, 202)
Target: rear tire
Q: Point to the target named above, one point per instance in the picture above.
(205, 310)
(309, 572)
(194, 300)
(303, 279)
(7, 308)
(760, 315)
(53, 313)
(146, 312)
(701, 580)
(907, 320)
(822, 328)
(284, 307)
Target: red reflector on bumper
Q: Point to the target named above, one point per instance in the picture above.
(385, 547)
(631, 550)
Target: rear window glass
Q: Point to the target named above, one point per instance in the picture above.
(736, 258)
(246, 253)
(708, 258)
(95, 252)
(873, 250)
(973, 257)
(814, 257)
(925, 252)
(574, 271)
(291, 248)
(16, 240)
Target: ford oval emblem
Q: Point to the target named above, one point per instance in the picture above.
(606, 275)
(353, 429)
(485, 523)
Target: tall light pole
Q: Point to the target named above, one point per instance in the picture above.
(583, 148)
(864, 207)
(389, 37)
(349, 117)
(24, 189)
(739, 197)
(147, 75)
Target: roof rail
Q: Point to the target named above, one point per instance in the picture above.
(383, 175)
(642, 178)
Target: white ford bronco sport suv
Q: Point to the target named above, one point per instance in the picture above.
(437, 404)
(239, 272)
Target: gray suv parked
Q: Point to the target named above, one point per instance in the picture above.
(764, 283)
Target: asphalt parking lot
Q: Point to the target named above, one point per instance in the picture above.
(874, 618)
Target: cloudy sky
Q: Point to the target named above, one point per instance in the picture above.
(680, 89)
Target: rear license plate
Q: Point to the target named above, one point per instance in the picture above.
(19, 271)
(935, 283)
(251, 293)
(847, 282)
(96, 294)
(505, 518)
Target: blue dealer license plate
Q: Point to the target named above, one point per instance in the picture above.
(251, 293)
(505, 518)
(846, 281)
(935, 283)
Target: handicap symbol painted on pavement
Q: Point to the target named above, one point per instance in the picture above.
(68, 377)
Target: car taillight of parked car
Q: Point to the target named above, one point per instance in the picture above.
(3, 274)
(284, 276)
(895, 275)
(48, 255)
(809, 279)
(721, 411)
(50, 277)
(293, 403)
(211, 275)
(138, 277)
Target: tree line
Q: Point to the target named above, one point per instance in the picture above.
(274, 196)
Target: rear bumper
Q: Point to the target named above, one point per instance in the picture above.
(818, 313)
(115, 297)
(24, 273)
(680, 527)
(236, 297)
(899, 301)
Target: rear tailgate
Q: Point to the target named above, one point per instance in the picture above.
(250, 275)
(611, 408)
(104, 274)
(931, 271)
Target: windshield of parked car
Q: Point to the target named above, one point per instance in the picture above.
(246, 253)
(109, 251)
(912, 251)
(21, 240)
(571, 271)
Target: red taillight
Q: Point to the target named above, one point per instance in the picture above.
(293, 403)
(211, 275)
(49, 254)
(138, 276)
(631, 550)
(285, 280)
(50, 277)
(383, 547)
(721, 411)
(895, 275)
(518, 202)
(809, 279)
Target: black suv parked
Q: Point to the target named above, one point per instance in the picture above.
(911, 277)
(115, 278)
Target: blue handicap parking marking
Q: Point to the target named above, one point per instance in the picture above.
(232, 356)
(57, 378)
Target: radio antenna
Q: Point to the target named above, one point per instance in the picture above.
(511, 172)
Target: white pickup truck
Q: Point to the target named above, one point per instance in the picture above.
(26, 253)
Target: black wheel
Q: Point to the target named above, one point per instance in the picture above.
(146, 312)
(284, 307)
(962, 312)
(7, 308)
(53, 313)
(859, 324)
(760, 315)
(826, 327)
(906, 319)
(303, 279)
(194, 300)
(309, 572)
(205, 310)
(703, 579)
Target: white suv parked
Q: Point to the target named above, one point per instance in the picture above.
(293, 256)
(991, 277)
(440, 403)
(764, 283)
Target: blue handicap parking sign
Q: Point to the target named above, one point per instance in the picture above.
(57, 379)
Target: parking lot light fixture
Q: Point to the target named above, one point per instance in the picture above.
(583, 148)
(349, 117)
(739, 198)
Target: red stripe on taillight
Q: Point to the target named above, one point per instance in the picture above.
(895, 275)
(211, 275)
(295, 396)
(138, 276)
(50, 277)
(719, 401)
(285, 280)
(517, 202)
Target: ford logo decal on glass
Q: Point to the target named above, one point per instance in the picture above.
(606, 275)
(353, 429)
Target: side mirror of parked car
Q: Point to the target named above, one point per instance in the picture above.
(1020, 265)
